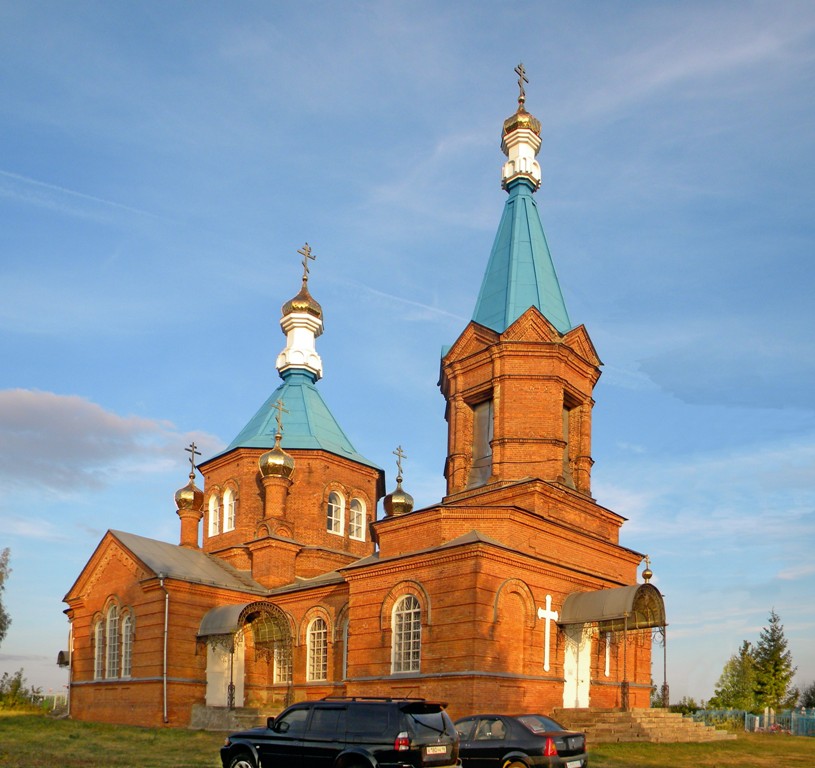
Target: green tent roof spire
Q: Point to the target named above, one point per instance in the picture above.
(520, 273)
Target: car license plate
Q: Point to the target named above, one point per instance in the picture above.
(437, 750)
(574, 764)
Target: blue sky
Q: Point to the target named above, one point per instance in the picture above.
(161, 163)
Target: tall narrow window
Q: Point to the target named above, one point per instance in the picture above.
(407, 635)
(127, 644)
(356, 520)
(317, 650)
(481, 468)
(214, 515)
(568, 478)
(345, 649)
(99, 650)
(335, 513)
(282, 662)
(112, 642)
(229, 509)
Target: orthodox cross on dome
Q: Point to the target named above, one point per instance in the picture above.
(278, 406)
(400, 454)
(549, 615)
(306, 253)
(522, 78)
(193, 453)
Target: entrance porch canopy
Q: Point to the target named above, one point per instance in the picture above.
(639, 606)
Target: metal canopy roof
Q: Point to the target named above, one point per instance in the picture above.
(639, 606)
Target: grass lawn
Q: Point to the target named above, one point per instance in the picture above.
(37, 741)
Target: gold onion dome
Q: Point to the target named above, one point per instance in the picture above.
(190, 496)
(303, 302)
(522, 119)
(276, 462)
(400, 502)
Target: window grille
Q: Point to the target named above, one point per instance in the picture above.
(112, 642)
(356, 520)
(127, 645)
(334, 513)
(407, 635)
(317, 665)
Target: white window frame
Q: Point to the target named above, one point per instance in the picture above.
(282, 663)
(406, 626)
(356, 519)
(112, 642)
(335, 513)
(214, 515)
(127, 644)
(229, 510)
(99, 649)
(317, 650)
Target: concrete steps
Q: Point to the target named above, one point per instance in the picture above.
(225, 719)
(653, 725)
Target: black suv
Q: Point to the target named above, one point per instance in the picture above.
(349, 733)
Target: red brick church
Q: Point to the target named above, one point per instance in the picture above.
(511, 593)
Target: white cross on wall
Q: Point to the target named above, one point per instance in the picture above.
(549, 615)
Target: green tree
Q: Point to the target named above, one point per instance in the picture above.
(774, 670)
(5, 619)
(737, 683)
(808, 696)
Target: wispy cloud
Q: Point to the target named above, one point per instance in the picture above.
(66, 443)
(56, 198)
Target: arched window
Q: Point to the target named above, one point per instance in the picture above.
(99, 649)
(345, 649)
(335, 512)
(214, 515)
(317, 650)
(229, 509)
(406, 624)
(356, 520)
(127, 644)
(112, 642)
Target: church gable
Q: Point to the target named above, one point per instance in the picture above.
(474, 339)
(578, 339)
(110, 563)
(532, 326)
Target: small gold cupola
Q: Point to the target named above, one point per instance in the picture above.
(647, 574)
(399, 502)
(189, 502)
(520, 141)
(276, 462)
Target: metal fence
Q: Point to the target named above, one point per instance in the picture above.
(797, 722)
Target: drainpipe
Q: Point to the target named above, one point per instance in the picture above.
(161, 577)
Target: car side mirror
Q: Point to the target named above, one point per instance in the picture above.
(281, 727)
(270, 723)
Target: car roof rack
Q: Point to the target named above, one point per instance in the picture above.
(370, 698)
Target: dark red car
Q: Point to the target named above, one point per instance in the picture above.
(519, 741)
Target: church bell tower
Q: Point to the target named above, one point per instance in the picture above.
(519, 380)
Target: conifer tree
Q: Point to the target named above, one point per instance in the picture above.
(774, 670)
(737, 683)
(5, 619)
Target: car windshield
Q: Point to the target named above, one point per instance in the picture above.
(539, 723)
(431, 724)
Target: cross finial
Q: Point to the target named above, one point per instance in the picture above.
(306, 253)
(278, 406)
(193, 453)
(400, 454)
(521, 72)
